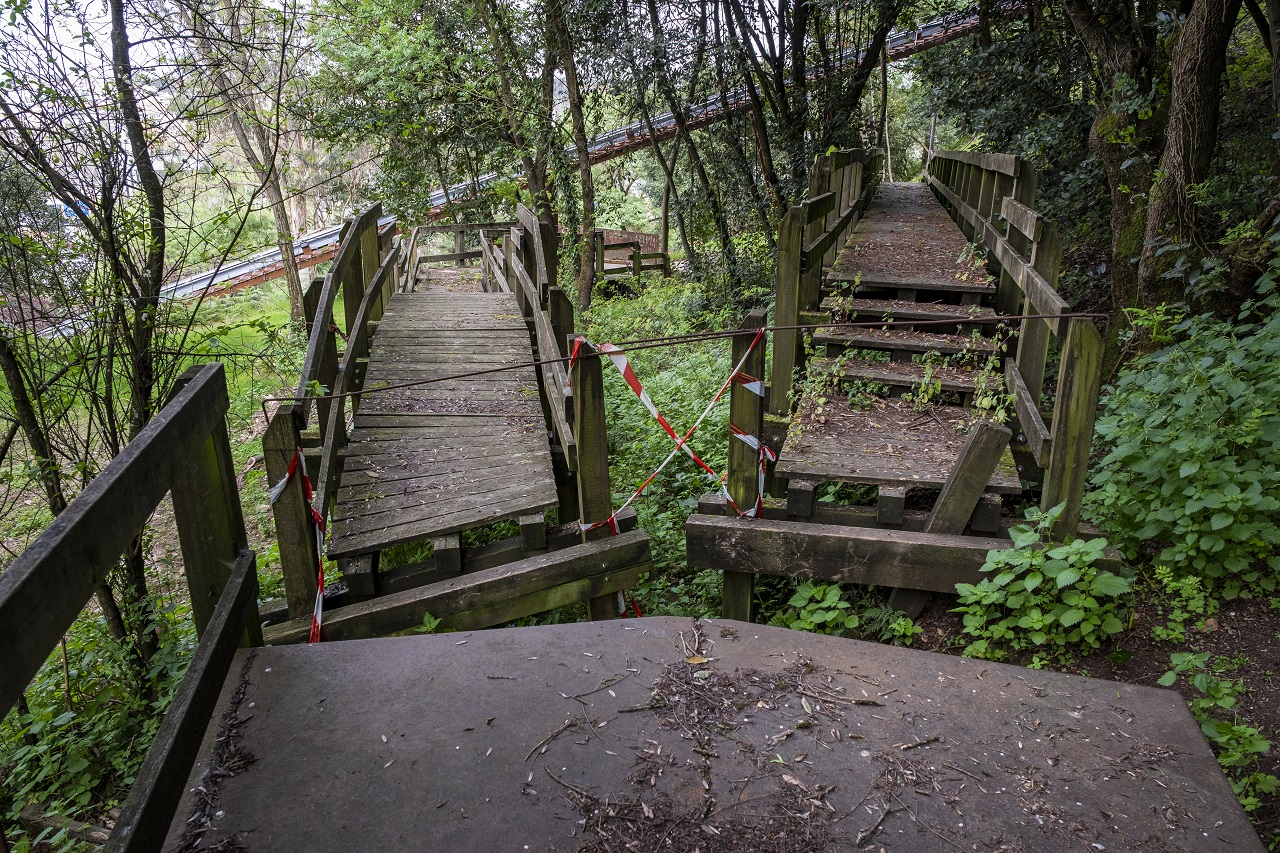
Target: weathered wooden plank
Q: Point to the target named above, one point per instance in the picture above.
(978, 460)
(361, 573)
(892, 558)
(1075, 408)
(399, 611)
(146, 814)
(787, 354)
(595, 497)
(380, 513)
(1027, 221)
(57, 573)
(1033, 426)
(801, 496)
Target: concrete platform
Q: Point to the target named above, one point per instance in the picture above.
(666, 734)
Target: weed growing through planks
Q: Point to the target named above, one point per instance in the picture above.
(1047, 599)
(819, 608)
(1237, 746)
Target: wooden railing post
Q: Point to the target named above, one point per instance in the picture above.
(1033, 335)
(1074, 411)
(636, 261)
(458, 245)
(295, 531)
(595, 497)
(786, 312)
(206, 510)
(746, 413)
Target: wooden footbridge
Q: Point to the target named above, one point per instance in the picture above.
(435, 423)
(920, 388)
(436, 405)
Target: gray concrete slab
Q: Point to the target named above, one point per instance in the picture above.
(771, 739)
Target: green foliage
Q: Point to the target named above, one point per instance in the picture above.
(1237, 746)
(1191, 436)
(1048, 599)
(1186, 599)
(89, 726)
(817, 607)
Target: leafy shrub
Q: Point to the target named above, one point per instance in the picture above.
(817, 607)
(1191, 435)
(1237, 746)
(1044, 598)
(1185, 599)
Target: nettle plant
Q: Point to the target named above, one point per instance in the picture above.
(1192, 441)
(819, 608)
(1048, 599)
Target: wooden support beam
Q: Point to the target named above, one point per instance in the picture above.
(1075, 408)
(448, 553)
(801, 496)
(360, 574)
(746, 413)
(890, 504)
(493, 596)
(786, 342)
(533, 532)
(295, 531)
(893, 558)
(595, 497)
(987, 514)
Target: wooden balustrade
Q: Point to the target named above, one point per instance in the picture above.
(183, 452)
(991, 197)
(840, 188)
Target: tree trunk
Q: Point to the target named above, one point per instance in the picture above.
(1198, 60)
(587, 263)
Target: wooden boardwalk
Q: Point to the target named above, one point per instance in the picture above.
(905, 262)
(436, 459)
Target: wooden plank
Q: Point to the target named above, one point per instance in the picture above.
(378, 513)
(57, 573)
(978, 460)
(1075, 408)
(775, 509)
(892, 558)
(987, 515)
(448, 553)
(1018, 215)
(1033, 427)
(147, 812)
(533, 532)
(399, 611)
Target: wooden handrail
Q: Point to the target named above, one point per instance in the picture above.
(350, 380)
(183, 450)
(321, 362)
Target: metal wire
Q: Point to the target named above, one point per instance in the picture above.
(677, 340)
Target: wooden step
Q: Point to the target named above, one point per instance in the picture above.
(902, 341)
(838, 280)
(902, 311)
(897, 374)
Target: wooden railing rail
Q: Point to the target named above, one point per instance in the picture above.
(991, 196)
(354, 265)
(184, 452)
(840, 188)
(459, 230)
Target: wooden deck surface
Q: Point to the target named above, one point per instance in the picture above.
(434, 459)
(906, 238)
(615, 736)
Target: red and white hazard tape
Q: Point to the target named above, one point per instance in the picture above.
(317, 524)
(756, 386)
(766, 456)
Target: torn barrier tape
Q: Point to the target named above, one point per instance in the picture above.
(317, 524)
(629, 376)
